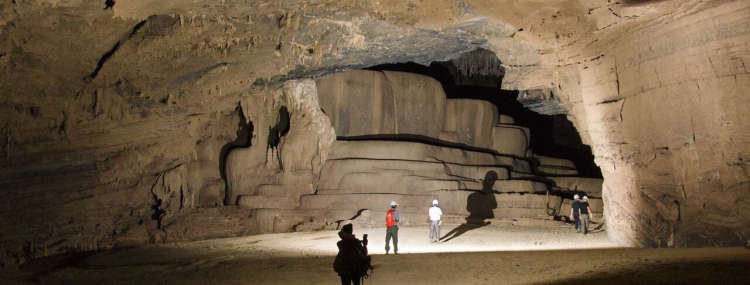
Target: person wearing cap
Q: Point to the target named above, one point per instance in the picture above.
(435, 216)
(585, 212)
(575, 213)
(392, 219)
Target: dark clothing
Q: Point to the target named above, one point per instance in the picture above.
(349, 280)
(584, 208)
(351, 251)
(576, 206)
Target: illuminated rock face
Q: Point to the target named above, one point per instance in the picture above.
(477, 172)
(362, 102)
(667, 119)
(150, 120)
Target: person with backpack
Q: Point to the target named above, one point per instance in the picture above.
(575, 213)
(392, 219)
(435, 221)
(352, 256)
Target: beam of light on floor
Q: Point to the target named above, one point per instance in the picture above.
(415, 239)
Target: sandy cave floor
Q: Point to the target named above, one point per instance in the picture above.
(487, 255)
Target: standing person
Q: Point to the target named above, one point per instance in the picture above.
(392, 219)
(585, 212)
(575, 213)
(351, 251)
(435, 221)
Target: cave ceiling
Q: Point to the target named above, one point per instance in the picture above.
(112, 109)
(192, 50)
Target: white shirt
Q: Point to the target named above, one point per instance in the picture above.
(435, 213)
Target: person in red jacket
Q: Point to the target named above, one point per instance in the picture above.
(392, 218)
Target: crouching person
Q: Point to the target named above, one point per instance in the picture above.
(352, 254)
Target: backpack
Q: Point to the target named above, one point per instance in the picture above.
(354, 262)
(389, 220)
(364, 264)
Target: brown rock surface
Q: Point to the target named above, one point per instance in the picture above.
(114, 121)
(488, 255)
(363, 102)
(511, 139)
(472, 121)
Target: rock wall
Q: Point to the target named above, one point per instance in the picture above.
(289, 167)
(478, 169)
(470, 185)
(362, 102)
(472, 121)
(664, 107)
(359, 102)
(105, 112)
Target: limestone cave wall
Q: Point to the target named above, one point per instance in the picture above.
(664, 108)
(117, 120)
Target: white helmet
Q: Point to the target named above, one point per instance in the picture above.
(576, 196)
(585, 198)
(434, 202)
(393, 203)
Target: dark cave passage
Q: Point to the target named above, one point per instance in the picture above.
(277, 132)
(553, 136)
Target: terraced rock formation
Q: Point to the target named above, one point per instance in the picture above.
(129, 122)
(388, 150)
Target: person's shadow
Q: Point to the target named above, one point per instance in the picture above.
(480, 205)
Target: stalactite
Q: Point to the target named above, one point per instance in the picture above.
(479, 62)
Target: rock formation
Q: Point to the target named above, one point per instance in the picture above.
(414, 166)
(129, 122)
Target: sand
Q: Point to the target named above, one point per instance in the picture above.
(487, 255)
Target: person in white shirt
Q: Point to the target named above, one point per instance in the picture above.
(435, 214)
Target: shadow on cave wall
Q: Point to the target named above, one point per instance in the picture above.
(552, 136)
(480, 206)
(244, 140)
